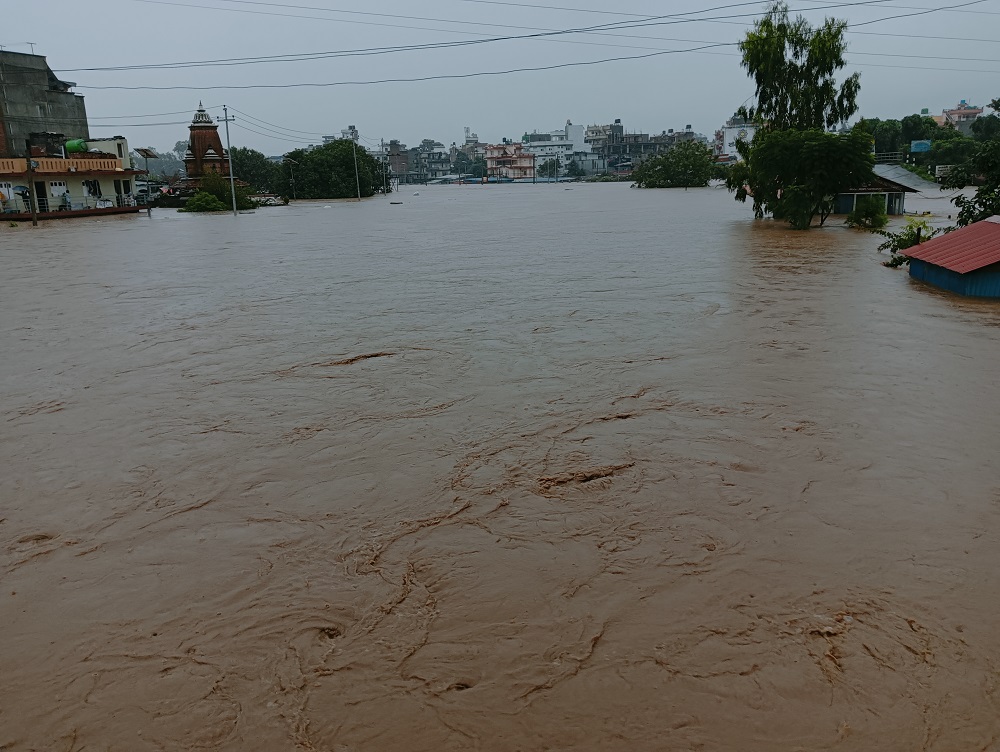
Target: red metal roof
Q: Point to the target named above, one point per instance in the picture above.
(963, 250)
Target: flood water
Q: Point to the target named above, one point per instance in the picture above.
(499, 468)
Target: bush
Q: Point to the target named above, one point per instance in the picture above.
(203, 202)
(915, 231)
(869, 213)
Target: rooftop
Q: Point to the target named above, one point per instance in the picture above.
(964, 250)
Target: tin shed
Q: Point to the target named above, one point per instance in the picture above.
(966, 261)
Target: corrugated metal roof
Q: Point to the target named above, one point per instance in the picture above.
(963, 250)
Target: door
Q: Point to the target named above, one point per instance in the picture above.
(41, 197)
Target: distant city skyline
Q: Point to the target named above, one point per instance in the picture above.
(688, 72)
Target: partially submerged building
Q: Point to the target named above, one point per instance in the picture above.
(966, 261)
(893, 193)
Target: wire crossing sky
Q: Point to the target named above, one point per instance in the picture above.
(292, 72)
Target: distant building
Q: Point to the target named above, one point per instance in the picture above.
(428, 161)
(624, 151)
(33, 100)
(961, 116)
(567, 144)
(509, 161)
(736, 128)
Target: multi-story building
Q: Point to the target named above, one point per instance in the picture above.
(567, 144)
(960, 117)
(735, 129)
(428, 161)
(509, 161)
(65, 178)
(34, 100)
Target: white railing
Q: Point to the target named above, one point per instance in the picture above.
(19, 204)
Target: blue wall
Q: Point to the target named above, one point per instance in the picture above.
(982, 283)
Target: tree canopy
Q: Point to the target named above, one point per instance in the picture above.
(254, 168)
(793, 66)
(688, 164)
(795, 175)
(793, 168)
(328, 172)
(549, 168)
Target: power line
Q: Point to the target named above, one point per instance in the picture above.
(544, 33)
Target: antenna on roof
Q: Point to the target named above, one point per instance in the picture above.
(32, 46)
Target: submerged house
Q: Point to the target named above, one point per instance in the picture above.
(66, 178)
(966, 261)
(894, 194)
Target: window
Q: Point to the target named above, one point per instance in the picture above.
(92, 188)
(121, 151)
(58, 188)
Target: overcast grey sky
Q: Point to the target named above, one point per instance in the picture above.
(929, 60)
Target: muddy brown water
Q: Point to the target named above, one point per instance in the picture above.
(501, 468)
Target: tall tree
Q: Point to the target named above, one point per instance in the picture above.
(328, 172)
(793, 168)
(794, 66)
(688, 164)
(795, 175)
(254, 168)
(986, 128)
(917, 128)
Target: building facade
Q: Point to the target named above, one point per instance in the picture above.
(58, 186)
(33, 99)
(509, 161)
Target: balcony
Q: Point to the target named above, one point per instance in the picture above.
(56, 166)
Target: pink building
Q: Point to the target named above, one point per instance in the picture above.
(509, 161)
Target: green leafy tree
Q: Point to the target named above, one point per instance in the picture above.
(793, 168)
(917, 128)
(477, 168)
(986, 128)
(888, 135)
(574, 170)
(255, 168)
(983, 166)
(794, 67)
(913, 232)
(795, 175)
(549, 168)
(219, 186)
(688, 164)
(869, 213)
(328, 172)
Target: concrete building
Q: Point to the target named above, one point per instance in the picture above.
(58, 186)
(32, 100)
(736, 128)
(566, 144)
(508, 161)
(429, 161)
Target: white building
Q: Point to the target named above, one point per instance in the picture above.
(565, 144)
(726, 137)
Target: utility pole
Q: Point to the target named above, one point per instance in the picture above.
(31, 185)
(385, 169)
(354, 140)
(229, 148)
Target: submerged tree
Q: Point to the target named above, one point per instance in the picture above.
(328, 172)
(984, 166)
(688, 164)
(795, 175)
(793, 167)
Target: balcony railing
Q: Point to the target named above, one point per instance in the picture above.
(18, 204)
(50, 165)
